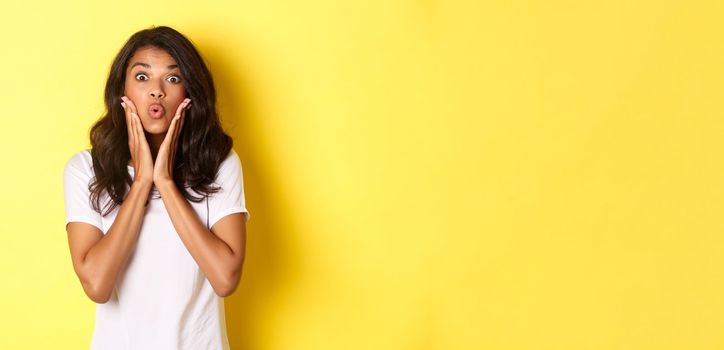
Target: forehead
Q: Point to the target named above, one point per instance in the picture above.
(153, 56)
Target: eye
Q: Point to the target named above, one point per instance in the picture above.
(174, 79)
(141, 75)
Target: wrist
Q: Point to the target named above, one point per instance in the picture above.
(164, 183)
(145, 184)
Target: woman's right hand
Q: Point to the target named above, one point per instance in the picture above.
(138, 145)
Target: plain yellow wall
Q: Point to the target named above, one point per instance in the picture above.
(421, 174)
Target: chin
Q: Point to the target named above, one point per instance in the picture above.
(156, 127)
(157, 131)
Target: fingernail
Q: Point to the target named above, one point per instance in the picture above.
(123, 105)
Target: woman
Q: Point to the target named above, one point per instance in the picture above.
(155, 210)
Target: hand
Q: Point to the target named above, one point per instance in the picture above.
(163, 168)
(141, 158)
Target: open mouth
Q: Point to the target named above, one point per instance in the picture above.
(156, 111)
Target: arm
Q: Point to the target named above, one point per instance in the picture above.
(219, 251)
(97, 259)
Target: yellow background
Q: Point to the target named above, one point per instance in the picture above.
(420, 174)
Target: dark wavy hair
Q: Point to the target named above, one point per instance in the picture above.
(202, 146)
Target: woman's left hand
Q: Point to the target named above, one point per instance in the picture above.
(163, 166)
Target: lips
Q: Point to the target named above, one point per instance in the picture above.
(156, 111)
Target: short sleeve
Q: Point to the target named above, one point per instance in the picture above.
(230, 197)
(77, 175)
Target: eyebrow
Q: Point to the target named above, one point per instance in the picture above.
(146, 65)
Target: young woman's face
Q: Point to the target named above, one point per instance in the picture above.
(154, 84)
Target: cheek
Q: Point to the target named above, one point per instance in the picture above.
(131, 90)
(176, 95)
(178, 92)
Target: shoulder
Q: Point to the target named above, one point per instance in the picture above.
(230, 166)
(231, 161)
(80, 161)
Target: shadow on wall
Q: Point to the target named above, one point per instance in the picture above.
(248, 308)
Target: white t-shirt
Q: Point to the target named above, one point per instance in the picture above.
(162, 299)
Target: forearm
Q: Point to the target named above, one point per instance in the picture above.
(106, 258)
(215, 258)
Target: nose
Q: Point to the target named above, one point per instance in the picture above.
(156, 92)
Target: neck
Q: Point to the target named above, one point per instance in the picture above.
(154, 143)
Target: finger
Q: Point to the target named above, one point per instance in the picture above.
(182, 105)
(177, 117)
(140, 134)
(177, 135)
(126, 104)
(130, 109)
(179, 125)
(168, 140)
(136, 139)
(129, 129)
(172, 146)
(126, 110)
(166, 149)
(133, 125)
(131, 138)
(180, 129)
(173, 133)
(130, 103)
